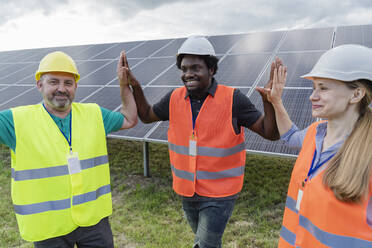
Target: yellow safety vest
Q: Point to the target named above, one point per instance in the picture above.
(48, 200)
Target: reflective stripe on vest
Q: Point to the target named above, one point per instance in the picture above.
(47, 199)
(61, 204)
(234, 172)
(208, 151)
(217, 168)
(55, 171)
(286, 234)
(332, 240)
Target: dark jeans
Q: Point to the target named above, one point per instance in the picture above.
(208, 220)
(96, 236)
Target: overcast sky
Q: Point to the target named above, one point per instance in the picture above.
(50, 23)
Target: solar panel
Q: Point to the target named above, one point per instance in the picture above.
(153, 94)
(241, 70)
(29, 96)
(257, 42)
(13, 76)
(147, 48)
(114, 51)
(103, 75)
(223, 43)
(361, 35)
(148, 69)
(244, 63)
(298, 64)
(308, 39)
(298, 106)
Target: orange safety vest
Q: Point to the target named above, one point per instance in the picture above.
(217, 167)
(322, 220)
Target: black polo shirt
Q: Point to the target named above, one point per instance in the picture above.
(244, 113)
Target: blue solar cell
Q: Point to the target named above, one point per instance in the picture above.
(14, 76)
(150, 68)
(36, 56)
(171, 77)
(308, 39)
(297, 64)
(93, 51)
(83, 92)
(153, 95)
(11, 92)
(107, 97)
(299, 109)
(28, 96)
(354, 35)
(223, 43)
(73, 51)
(114, 52)
(102, 76)
(147, 48)
(170, 49)
(257, 42)
(16, 56)
(7, 69)
(88, 67)
(241, 70)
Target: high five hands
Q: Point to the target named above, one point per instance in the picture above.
(123, 71)
(272, 91)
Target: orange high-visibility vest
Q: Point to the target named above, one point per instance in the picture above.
(217, 168)
(322, 220)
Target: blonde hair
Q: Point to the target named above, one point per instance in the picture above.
(349, 171)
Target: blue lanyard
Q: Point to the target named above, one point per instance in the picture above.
(68, 139)
(313, 168)
(192, 116)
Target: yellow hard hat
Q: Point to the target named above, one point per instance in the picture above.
(59, 62)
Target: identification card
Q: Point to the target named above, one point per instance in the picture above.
(299, 198)
(192, 148)
(73, 163)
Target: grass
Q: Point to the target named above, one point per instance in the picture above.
(148, 214)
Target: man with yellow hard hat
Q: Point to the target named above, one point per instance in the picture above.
(60, 173)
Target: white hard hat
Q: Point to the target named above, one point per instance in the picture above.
(196, 45)
(344, 63)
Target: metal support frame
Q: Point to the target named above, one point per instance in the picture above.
(146, 162)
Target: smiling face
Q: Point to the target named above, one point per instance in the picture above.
(195, 75)
(330, 98)
(58, 90)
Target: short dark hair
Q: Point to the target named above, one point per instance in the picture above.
(210, 60)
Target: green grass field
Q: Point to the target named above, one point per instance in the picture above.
(147, 213)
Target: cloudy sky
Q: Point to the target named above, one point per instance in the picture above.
(50, 23)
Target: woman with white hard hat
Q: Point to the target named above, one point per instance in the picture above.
(329, 199)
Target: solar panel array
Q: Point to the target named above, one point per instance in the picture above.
(244, 64)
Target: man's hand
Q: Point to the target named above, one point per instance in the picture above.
(123, 70)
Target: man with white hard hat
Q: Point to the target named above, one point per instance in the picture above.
(206, 138)
(60, 173)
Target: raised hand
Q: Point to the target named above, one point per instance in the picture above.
(279, 78)
(265, 92)
(123, 70)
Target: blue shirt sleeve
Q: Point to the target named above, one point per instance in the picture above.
(294, 137)
(112, 121)
(7, 132)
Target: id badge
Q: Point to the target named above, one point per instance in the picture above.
(73, 163)
(299, 199)
(192, 147)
